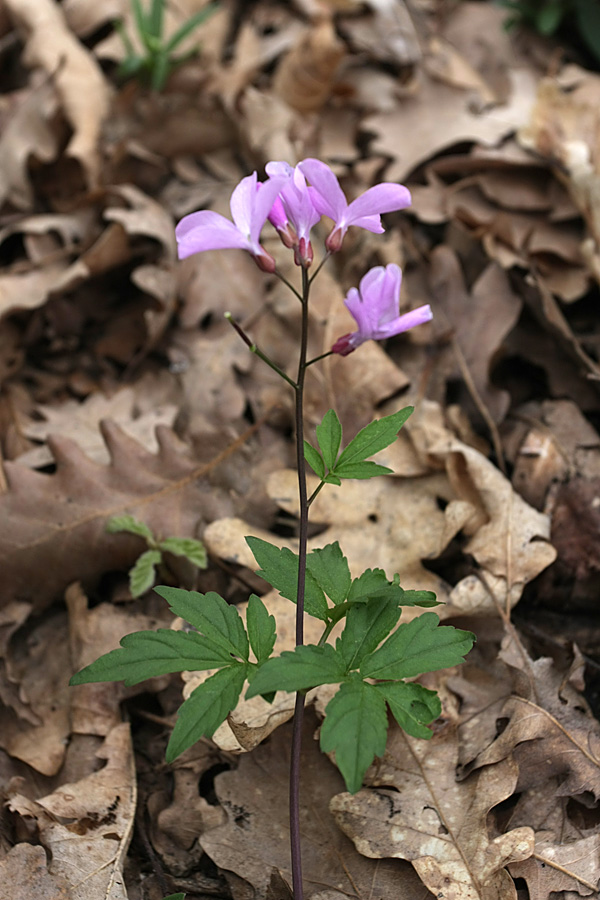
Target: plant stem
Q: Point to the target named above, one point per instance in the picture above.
(302, 541)
(254, 349)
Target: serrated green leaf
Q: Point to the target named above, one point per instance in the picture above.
(206, 708)
(355, 728)
(374, 583)
(329, 437)
(420, 598)
(329, 567)
(298, 670)
(279, 566)
(146, 654)
(412, 706)
(143, 573)
(211, 615)
(193, 550)
(374, 437)
(361, 470)
(422, 645)
(314, 459)
(261, 628)
(129, 524)
(332, 479)
(367, 624)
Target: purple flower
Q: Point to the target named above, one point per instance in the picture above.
(376, 308)
(208, 230)
(365, 212)
(294, 208)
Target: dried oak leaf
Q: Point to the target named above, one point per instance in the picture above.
(550, 731)
(255, 840)
(305, 76)
(52, 527)
(26, 869)
(83, 90)
(555, 867)
(86, 826)
(415, 809)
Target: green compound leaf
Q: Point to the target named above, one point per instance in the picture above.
(329, 437)
(361, 470)
(329, 567)
(374, 583)
(178, 896)
(193, 550)
(279, 566)
(206, 708)
(412, 706)
(373, 438)
(314, 459)
(355, 727)
(420, 598)
(129, 524)
(261, 628)
(332, 479)
(145, 654)
(367, 624)
(142, 575)
(211, 615)
(298, 670)
(422, 645)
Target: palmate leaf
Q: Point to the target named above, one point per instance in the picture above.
(361, 470)
(298, 670)
(279, 566)
(374, 437)
(190, 548)
(261, 628)
(206, 708)
(329, 437)
(211, 615)
(422, 645)
(412, 706)
(145, 654)
(374, 583)
(143, 573)
(355, 728)
(329, 567)
(367, 624)
(314, 459)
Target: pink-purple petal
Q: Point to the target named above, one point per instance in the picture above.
(331, 201)
(381, 198)
(242, 205)
(207, 230)
(409, 320)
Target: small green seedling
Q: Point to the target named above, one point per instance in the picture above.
(157, 61)
(143, 574)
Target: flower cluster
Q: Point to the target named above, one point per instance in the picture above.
(293, 199)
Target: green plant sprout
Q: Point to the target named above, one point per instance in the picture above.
(143, 574)
(374, 658)
(157, 62)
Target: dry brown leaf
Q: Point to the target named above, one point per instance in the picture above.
(555, 867)
(508, 539)
(25, 869)
(86, 827)
(82, 88)
(255, 840)
(53, 529)
(385, 33)
(416, 810)
(80, 422)
(306, 74)
(478, 323)
(28, 133)
(550, 732)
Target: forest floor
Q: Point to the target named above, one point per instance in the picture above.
(124, 391)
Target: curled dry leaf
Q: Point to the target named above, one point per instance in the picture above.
(86, 827)
(416, 810)
(561, 867)
(550, 730)
(305, 76)
(80, 84)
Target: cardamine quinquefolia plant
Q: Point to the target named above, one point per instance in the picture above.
(373, 655)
